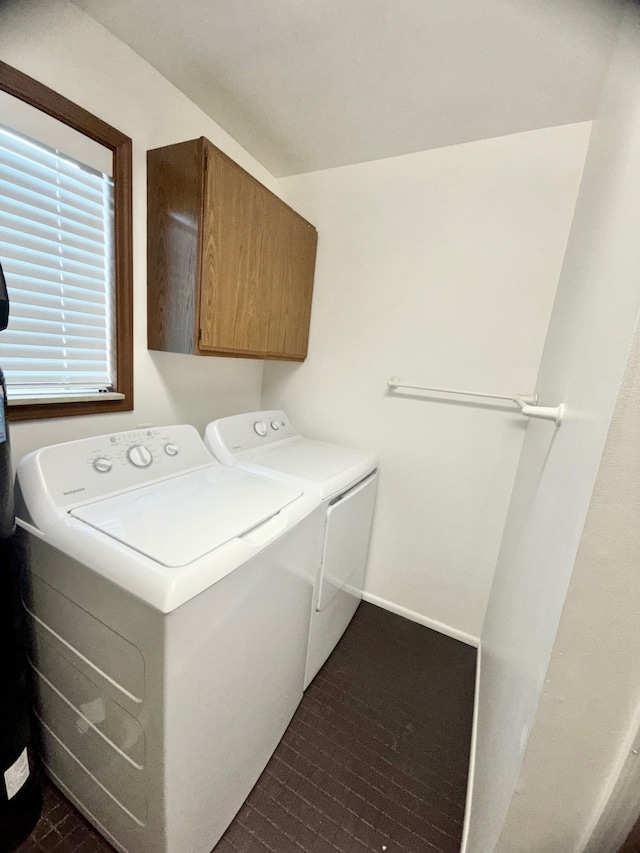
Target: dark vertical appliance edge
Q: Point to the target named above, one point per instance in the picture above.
(20, 793)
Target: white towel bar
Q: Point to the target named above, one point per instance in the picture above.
(526, 402)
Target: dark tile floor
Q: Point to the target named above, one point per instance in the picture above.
(632, 844)
(375, 758)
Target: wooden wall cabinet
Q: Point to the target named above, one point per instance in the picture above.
(230, 266)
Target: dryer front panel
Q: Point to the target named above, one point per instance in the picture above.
(348, 527)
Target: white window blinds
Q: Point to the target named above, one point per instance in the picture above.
(56, 246)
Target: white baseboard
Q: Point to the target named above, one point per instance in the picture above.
(469, 639)
(472, 756)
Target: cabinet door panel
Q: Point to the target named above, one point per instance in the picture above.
(293, 254)
(233, 302)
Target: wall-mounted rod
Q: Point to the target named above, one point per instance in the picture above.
(526, 402)
(395, 383)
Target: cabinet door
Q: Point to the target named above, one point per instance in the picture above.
(258, 259)
(233, 301)
(291, 252)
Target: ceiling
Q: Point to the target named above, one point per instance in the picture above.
(311, 84)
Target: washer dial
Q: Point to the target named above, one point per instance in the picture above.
(171, 449)
(140, 456)
(261, 428)
(102, 465)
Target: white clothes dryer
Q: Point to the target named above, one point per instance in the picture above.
(168, 599)
(344, 479)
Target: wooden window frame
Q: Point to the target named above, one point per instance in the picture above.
(21, 86)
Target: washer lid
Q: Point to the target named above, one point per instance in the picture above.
(178, 520)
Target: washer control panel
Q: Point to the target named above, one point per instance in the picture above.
(93, 468)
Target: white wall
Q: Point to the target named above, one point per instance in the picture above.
(592, 686)
(584, 358)
(440, 268)
(62, 47)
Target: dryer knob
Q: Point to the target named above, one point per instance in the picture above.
(261, 428)
(140, 456)
(275, 425)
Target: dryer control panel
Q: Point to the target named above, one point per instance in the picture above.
(227, 437)
(79, 472)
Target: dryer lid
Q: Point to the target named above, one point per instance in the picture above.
(176, 521)
(325, 469)
(311, 460)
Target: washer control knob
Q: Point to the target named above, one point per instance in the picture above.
(171, 449)
(102, 465)
(275, 425)
(261, 428)
(140, 456)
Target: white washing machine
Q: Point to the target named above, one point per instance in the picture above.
(345, 480)
(169, 599)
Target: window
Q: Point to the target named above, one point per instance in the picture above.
(65, 244)
(56, 237)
